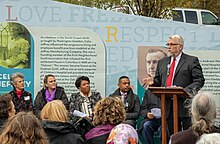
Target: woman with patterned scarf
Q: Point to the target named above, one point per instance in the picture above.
(84, 100)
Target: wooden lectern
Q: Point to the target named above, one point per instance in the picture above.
(169, 92)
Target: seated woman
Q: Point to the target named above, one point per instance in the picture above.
(203, 111)
(23, 128)
(49, 92)
(7, 108)
(108, 113)
(59, 131)
(21, 98)
(83, 101)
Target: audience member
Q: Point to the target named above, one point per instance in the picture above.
(130, 100)
(58, 130)
(123, 134)
(203, 111)
(49, 92)
(21, 98)
(84, 100)
(108, 113)
(151, 121)
(23, 128)
(7, 108)
(212, 138)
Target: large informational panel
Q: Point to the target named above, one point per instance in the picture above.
(69, 41)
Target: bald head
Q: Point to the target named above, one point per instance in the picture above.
(203, 106)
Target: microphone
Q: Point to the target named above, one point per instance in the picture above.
(168, 72)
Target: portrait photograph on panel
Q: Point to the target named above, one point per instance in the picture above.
(148, 57)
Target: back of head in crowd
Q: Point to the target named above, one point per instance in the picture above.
(7, 107)
(212, 138)
(203, 112)
(109, 110)
(80, 79)
(123, 134)
(54, 111)
(23, 128)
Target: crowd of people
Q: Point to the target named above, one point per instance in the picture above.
(52, 118)
(87, 117)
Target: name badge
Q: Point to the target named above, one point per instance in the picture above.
(26, 98)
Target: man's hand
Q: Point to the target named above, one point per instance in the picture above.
(150, 115)
(149, 80)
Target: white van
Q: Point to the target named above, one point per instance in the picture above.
(195, 16)
(187, 15)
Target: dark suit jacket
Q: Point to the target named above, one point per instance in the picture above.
(150, 101)
(188, 74)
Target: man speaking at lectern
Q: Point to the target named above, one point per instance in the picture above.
(180, 70)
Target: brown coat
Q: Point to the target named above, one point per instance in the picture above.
(187, 137)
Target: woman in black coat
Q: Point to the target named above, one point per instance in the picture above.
(49, 92)
(54, 119)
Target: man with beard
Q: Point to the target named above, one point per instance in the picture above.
(178, 70)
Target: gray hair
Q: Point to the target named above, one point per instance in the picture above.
(14, 76)
(154, 50)
(212, 138)
(203, 110)
(180, 39)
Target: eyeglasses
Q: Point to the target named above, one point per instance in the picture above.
(172, 44)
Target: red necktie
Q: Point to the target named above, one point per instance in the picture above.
(170, 77)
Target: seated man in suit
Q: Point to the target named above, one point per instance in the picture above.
(130, 100)
(150, 121)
